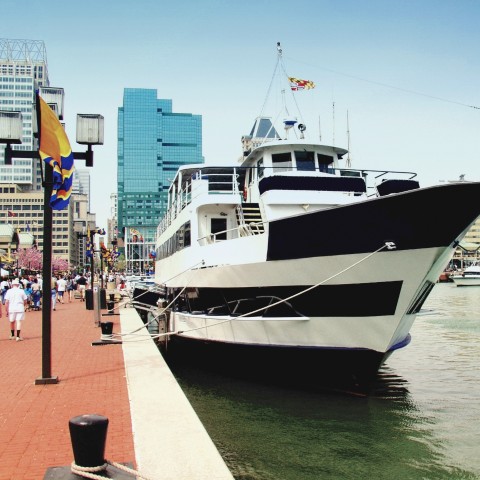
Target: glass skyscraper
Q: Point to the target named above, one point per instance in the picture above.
(153, 142)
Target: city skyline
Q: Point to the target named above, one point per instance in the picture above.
(407, 73)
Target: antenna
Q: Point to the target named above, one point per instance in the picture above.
(319, 130)
(348, 163)
(333, 122)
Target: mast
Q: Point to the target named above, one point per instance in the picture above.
(348, 163)
(333, 123)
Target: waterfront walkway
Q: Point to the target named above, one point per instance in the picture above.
(151, 424)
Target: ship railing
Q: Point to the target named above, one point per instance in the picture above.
(251, 228)
(215, 237)
(243, 230)
(203, 182)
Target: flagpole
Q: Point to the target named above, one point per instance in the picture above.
(46, 377)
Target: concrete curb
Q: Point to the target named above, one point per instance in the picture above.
(169, 439)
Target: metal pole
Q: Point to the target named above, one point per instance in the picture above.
(47, 282)
(92, 260)
(101, 270)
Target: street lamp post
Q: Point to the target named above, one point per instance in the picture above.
(11, 133)
(92, 259)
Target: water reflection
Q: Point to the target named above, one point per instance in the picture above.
(420, 420)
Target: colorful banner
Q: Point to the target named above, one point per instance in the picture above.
(55, 150)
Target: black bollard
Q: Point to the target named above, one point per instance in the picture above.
(110, 307)
(88, 434)
(107, 330)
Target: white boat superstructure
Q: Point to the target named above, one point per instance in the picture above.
(469, 277)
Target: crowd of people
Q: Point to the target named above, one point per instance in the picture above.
(25, 293)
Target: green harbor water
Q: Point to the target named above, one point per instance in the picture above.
(422, 421)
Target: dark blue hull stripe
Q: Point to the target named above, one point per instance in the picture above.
(412, 220)
(349, 300)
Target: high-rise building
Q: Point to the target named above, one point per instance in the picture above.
(153, 142)
(81, 183)
(23, 69)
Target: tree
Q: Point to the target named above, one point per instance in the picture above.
(32, 259)
(59, 265)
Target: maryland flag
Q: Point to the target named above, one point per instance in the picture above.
(55, 150)
(297, 84)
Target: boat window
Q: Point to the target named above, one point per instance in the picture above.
(305, 161)
(187, 236)
(253, 175)
(324, 161)
(260, 168)
(281, 162)
(218, 225)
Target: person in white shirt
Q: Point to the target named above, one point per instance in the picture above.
(61, 287)
(4, 286)
(15, 303)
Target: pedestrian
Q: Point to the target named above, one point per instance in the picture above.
(36, 294)
(15, 303)
(61, 287)
(70, 287)
(54, 291)
(29, 293)
(4, 286)
(81, 285)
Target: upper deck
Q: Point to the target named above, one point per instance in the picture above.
(277, 173)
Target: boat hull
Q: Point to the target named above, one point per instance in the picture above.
(472, 281)
(344, 369)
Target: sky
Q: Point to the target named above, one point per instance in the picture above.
(405, 72)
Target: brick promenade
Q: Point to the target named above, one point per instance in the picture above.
(34, 433)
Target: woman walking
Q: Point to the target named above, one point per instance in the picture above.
(70, 288)
(53, 292)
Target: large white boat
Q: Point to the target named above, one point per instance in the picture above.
(292, 264)
(469, 277)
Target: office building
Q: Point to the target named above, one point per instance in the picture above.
(81, 183)
(24, 211)
(23, 69)
(153, 141)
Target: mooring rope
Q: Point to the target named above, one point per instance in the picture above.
(91, 472)
(386, 245)
(162, 312)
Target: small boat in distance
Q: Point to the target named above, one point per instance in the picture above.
(291, 264)
(445, 276)
(469, 277)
